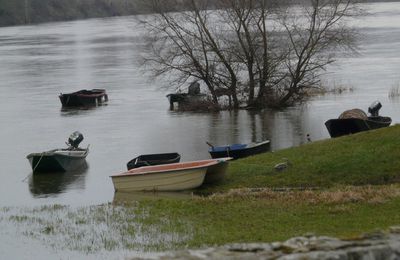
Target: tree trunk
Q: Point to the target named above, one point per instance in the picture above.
(234, 95)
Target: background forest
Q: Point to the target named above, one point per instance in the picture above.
(18, 12)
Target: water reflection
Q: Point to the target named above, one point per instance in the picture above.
(129, 197)
(75, 111)
(51, 184)
(282, 128)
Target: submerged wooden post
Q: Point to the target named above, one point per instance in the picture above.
(26, 10)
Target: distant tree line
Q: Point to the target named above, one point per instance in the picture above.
(16, 12)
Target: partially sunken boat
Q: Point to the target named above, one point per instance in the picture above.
(84, 98)
(60, 160)
(193, 95)
(356, 120)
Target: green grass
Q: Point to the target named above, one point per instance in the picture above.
(237, 216)
(369, 158)
(221, 220)
(360, 159)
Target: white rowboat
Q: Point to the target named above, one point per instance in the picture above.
(168, 177)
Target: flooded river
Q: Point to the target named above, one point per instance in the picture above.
(39, 62)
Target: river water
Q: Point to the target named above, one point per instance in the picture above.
(39, 62)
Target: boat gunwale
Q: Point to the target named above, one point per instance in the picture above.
(385, 119)
(142, 158)
(252, 145)
(218, 160)
(97, 93)
(132, 173)
(53, 153)
(248, 146)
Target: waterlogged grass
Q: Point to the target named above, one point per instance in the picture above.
(106, 227)
(241, 215)
(394, 92)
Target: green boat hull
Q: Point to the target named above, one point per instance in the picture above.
(51, 161)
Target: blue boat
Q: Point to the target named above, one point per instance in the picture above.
(237, 151)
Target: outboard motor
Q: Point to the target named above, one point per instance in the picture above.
(75, 139)
(374, 108)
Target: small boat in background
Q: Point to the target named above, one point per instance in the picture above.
(60, 160)
(237, 151)
(167, 177)
(193, 95)
(83, 98)
(356, 120)
(153, 159)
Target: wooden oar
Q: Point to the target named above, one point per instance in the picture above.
(209, 144)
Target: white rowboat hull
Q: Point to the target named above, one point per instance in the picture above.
(184, 179)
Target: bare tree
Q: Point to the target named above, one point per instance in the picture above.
(312, 38)
(259, 53)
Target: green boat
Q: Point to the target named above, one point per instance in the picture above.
(60, 160)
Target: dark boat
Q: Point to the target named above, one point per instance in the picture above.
(153, 159)
(193, 95)
(356, 120)
(176, 97)
(84, 97)
(237, 151)
(60, 160)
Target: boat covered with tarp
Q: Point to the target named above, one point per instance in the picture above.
(356, 120)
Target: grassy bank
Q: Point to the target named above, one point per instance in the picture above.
(276, 216)
(354, 190)
(237, 216)
(361, 159)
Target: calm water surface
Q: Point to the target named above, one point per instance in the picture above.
(39, 62)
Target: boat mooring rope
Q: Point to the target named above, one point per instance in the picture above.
(26, 178)
(34, 168)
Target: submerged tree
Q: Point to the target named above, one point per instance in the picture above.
(258, 53)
